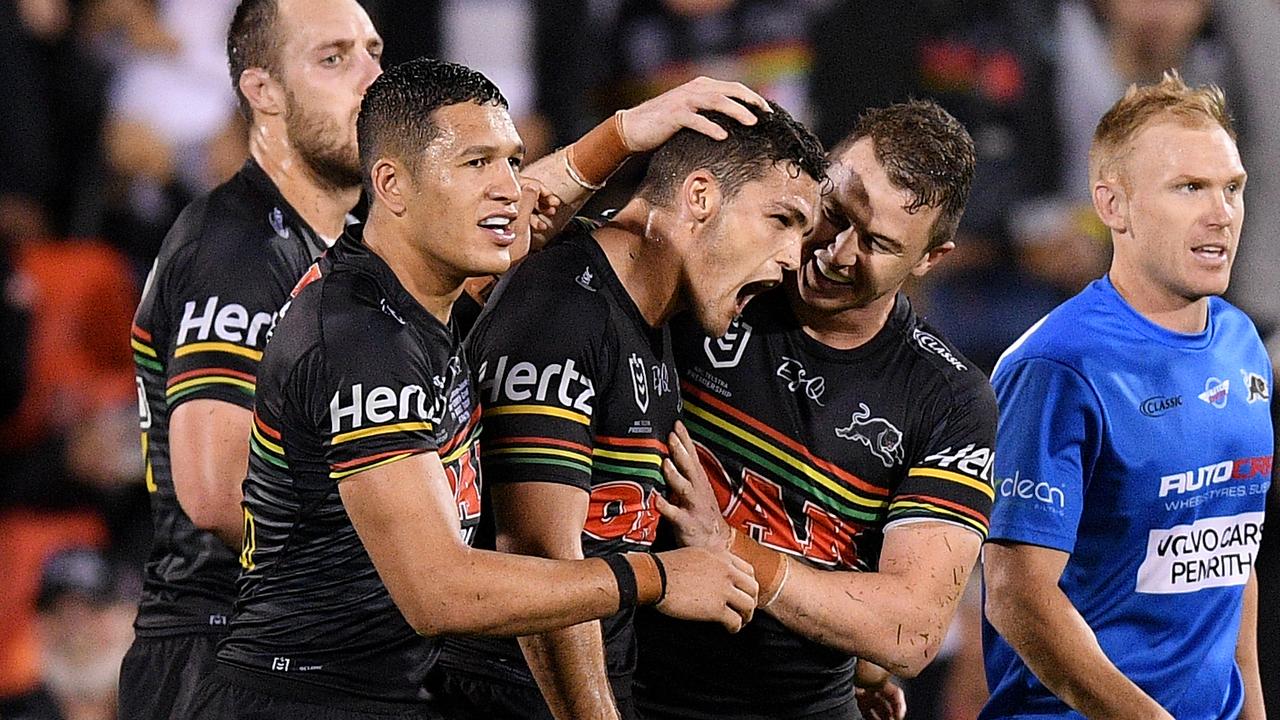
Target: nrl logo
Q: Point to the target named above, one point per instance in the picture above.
(879, 435)
(639, 382)
(726, 351)
(1257, 386)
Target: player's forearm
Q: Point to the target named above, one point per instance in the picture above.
(1247, 654)
(897, 622)
(1048, 633)
(480, 592)
(569, 667)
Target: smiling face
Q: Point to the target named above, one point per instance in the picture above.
(463, 197)
(330, 54)
(1180, 209)
(867, 243)
(755, 236)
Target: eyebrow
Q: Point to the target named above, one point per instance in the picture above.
(791, 210)
(489, 150)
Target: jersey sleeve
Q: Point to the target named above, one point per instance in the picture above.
(1048, 440)
(949, 479)
(374, 398)
(219, 316)
(540, 367)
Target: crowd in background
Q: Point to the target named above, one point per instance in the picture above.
(116, 113)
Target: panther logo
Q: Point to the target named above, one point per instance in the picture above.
(879, 435)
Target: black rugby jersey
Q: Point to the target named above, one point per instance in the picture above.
(577, 389)
(814, 452)
(357, 375)
(225, 268)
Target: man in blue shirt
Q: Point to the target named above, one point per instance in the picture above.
(1134, 449)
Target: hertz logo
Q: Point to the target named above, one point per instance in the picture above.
(230, 323)
(379, 405)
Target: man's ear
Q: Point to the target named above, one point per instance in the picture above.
(1111, 202)
(264, 93)
(700, 197)
(931, 258)
(390, 185)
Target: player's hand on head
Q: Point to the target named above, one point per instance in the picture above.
(654, 121)
(538, 206)
(883, 702)
(692, 510)
(709, 586)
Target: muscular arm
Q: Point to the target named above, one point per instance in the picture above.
(896, 617)
(401, 508)
(1026, 606)
(546, 519)
(209, 452)
(1247, 653)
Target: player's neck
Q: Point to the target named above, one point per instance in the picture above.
(323, 207)
(644, 261)
(424, 278)
(846, 329)
(1166, 309)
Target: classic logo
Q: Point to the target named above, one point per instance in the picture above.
(586, 278)
(1257, 386)
(524, 381)
(639, 382)
(390, 311)
(1157, 405)
(879, 435)
(229, 323)
(726, 351)
(934, 345)
(1215, 392)
(797, 377)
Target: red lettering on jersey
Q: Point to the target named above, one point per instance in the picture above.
(1246, 468)
(312, 275)
(622, 510)
(464, 476)
(758, 509)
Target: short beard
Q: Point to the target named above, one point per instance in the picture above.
(321, 144)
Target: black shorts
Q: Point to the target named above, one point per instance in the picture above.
(462, 696)
(225, 695)
(159, 674)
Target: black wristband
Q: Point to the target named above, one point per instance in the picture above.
(625, 576)
(662, 575)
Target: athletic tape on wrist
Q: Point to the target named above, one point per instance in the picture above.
(625, 576)
(770, 566)
(598, 154)
(650, 583)
(662, 575)
(786, 573)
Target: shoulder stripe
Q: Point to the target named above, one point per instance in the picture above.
(540, 410)
(937, 503)
(913, 509)
(379, 430)
(370, 463)
(211, 372)
(223, 347)
(652, 443)
(143, 335)
(526, 440)
(142, 348)
(955, 477)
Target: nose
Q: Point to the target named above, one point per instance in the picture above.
(505, 186)
(370, 68)
(844, 249)
(789, 256)
(1222, 210)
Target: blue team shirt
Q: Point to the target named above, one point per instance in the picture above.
(1146, 455)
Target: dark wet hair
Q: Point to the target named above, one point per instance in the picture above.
(748, 152)
(396, 114)
(252, 42)
(925, 151)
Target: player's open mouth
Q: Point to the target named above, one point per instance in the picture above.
(1210, 251)
(829, 273)
(751, 290)
(502, 226)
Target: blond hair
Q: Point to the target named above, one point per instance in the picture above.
(1171, 99)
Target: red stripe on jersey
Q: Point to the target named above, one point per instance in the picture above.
(228, 372)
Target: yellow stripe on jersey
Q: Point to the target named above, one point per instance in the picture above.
(955, 477)
(209, 381)
(632, 457)
(527, 450)
(539, 410)
(380, 463)
(141, 348)
(224, 347)
(380, 430)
